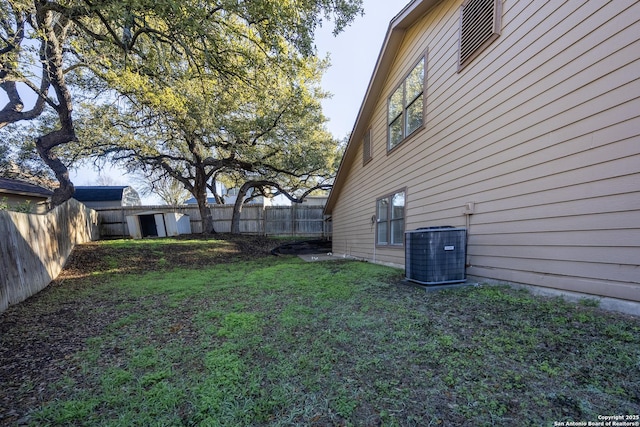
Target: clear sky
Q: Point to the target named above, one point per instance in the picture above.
(353, 55)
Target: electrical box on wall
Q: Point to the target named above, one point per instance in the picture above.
(469, 208)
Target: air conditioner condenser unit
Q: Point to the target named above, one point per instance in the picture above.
(435, 255)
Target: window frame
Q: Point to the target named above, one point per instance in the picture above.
(402, 115)
(389, 220)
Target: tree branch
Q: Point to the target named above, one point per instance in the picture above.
(237, 207)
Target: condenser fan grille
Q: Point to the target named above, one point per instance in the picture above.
(435, 255)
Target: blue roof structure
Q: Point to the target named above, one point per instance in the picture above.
(99, 193)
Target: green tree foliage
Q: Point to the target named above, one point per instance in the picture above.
(24, 207)
(18, 156)
(142, 47)
(265, 127)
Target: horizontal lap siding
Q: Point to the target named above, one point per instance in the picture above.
(541, 132)
(353, 232)
(566, 207)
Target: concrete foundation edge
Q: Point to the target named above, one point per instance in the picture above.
(606, 303)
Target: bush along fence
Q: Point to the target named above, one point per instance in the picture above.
(35, 248)
(294, 220)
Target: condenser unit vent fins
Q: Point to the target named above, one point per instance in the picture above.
(435, 255)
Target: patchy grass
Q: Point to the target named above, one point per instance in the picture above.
(222, 338)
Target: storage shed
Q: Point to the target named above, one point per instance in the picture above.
(107, 196)
(158, 224)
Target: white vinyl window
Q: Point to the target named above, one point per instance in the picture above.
(390, 219)
(405, 111)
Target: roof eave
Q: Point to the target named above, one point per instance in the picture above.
(395, 34)
(25, 193)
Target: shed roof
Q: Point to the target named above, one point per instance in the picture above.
(398, 26)
(99, 193)
(24, 188)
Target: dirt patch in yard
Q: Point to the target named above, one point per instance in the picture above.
(39, 336)
(96, 257)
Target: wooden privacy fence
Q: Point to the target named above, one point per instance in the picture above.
(295, 220)
(34, 248)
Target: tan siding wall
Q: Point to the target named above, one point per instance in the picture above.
(541, 131)
(38, 204)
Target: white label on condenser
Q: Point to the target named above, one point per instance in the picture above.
(449, 248)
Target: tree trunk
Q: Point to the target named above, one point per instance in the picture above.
(200, 193)
(205, 214)
(214, 191)
(237, 206)
(66, 189)
(54, 29)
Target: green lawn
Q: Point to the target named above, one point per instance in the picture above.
(244, 341)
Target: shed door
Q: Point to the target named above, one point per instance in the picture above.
(160, 226)
(148, 226)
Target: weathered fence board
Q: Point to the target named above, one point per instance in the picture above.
(296, 221)
(279, 221)
(34, 247)
(271, 220)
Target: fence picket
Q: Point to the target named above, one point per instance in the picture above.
(35, 247)
(308, 221)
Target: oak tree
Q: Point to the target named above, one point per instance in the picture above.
(265, 126)
(52, 49)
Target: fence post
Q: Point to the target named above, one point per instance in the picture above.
(124, 222)
(294, 218)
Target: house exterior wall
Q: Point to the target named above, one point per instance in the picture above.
(130, 197)
(101, 197)
(39, 204)
(541, 132)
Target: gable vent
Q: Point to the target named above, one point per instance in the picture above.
(479, 26)
(367, 153)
